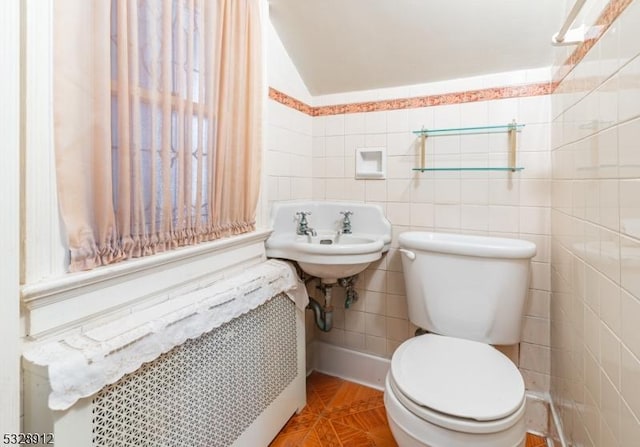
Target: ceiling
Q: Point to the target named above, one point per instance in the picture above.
(349, 45)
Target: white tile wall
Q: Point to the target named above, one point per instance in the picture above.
(288, 163)
(288, 170)
(595, 268)
(512, 205)
(469, 202)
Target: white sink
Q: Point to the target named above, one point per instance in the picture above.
(329, 254)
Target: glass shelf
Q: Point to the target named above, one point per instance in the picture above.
(469, 169)
(512, 128)
(470, 130)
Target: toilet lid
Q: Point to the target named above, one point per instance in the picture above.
(461, 378)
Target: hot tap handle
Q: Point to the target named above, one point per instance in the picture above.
(303, 217)
(346, 222)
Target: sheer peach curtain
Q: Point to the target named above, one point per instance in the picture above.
(157, 114)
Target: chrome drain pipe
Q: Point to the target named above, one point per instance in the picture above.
(323, 315)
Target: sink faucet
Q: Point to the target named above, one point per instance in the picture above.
(303, 224)
(346, 222)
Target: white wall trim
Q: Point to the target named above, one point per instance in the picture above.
(10, 112)
(358, 367)
(76, 299)
(32, 294)
(45, 254)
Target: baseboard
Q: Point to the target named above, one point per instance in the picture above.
(556, 435)
(358, 367)
(537, 414)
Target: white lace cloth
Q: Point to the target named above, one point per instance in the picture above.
(80, 365)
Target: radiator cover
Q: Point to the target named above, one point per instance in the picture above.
(207, 391)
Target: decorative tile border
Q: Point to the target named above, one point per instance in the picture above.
(609, 14)
(290, 101)
(437, 100)
(415, 102)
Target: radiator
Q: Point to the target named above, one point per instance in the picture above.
(235, 385)
(206, 392)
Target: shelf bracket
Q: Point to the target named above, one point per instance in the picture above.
(512, 145)
(423, 144)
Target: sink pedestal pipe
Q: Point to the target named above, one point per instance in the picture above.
(323, 314)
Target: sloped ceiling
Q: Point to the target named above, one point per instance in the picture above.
(349, 45)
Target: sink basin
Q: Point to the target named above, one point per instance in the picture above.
(330, 255)
(337, 244)
(336, 256)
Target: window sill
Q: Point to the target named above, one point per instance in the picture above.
(74, 300)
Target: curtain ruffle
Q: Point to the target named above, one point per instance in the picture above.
(90, 256)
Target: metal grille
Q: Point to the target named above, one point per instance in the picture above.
(207, 391)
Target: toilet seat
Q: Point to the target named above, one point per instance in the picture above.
(458, 384)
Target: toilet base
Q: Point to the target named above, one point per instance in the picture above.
(411, 431)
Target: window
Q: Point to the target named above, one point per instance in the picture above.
(157, 108)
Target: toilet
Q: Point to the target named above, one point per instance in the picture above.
(449, 387)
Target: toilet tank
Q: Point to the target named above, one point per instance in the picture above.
(471, 287)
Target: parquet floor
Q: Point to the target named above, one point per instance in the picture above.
(344, 414)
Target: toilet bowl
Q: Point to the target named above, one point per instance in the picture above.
(444, 391)
(450, 387)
